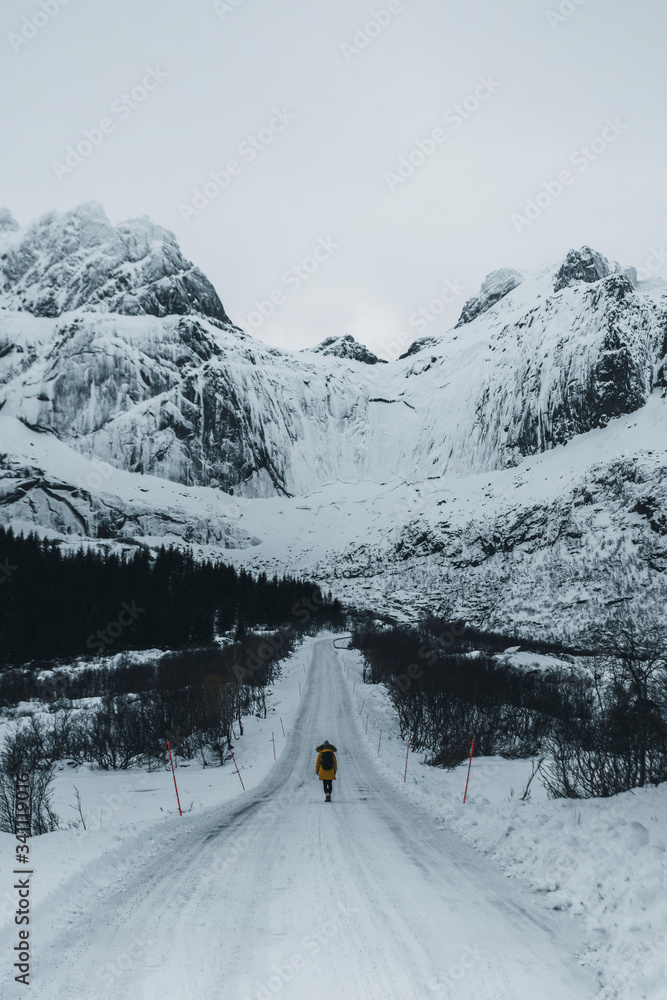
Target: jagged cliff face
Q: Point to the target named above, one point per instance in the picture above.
(535, 360)
(348, 348)
(78, 260)
(558, 364)
(115, 350)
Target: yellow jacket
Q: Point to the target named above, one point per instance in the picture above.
(319, 770)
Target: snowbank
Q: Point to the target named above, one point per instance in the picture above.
(602, 860)
(118, 805)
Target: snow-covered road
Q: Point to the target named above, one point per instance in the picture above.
(278, 894)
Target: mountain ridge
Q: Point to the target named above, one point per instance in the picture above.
(78, 260)
(209, 437)
(539, 360)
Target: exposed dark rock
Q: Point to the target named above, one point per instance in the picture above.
(661, 365)
(582, 265)
(350, 349)
(495, 287)
(418, 345)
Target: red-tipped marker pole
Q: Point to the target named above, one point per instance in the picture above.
(180, 811)
(469, 763)
(406, 762)
(237, 769)
(380, 741)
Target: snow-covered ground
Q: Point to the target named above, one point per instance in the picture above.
(118, 805)
(395, 891)
(601, 861)
(271, 891)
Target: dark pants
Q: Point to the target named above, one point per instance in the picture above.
(328, 784)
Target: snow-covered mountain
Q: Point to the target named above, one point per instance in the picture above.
(78, 260)
(118, 350)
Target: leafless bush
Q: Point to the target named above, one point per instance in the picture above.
(22, 754)
(623, 744)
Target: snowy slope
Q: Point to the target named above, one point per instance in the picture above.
(544, 545)
(46, 485)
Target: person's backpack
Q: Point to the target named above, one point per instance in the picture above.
(327, 760)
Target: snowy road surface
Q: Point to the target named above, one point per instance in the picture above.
(278, 894)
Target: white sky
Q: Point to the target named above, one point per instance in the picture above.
(324, 175)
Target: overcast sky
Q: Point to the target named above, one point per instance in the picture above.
(357, 85)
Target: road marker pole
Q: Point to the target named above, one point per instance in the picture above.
(366, 724)
(469, 763)
(379, 741)
(237, 769)
(274, 745)
(406, 762)
(180, 811)
(281, 725)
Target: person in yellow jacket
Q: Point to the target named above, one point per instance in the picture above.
(326, 767)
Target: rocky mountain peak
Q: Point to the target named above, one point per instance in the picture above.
(495, 286)
(161, 391)
(583, 265)
(8, 223)
(78, 260)
(347, 347)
